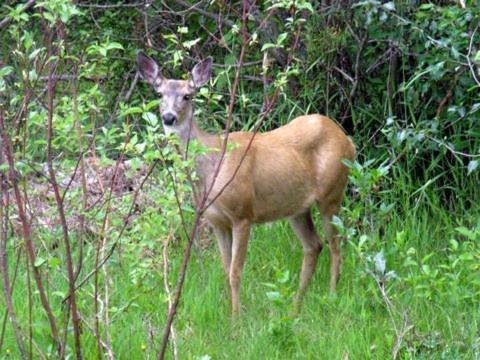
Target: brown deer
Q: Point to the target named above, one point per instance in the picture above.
(284, 173)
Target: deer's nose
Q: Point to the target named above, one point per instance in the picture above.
(168, 118)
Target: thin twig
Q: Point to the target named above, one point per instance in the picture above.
(167, 290)
(120, 234)
(103, 344)
(114, 6)
(51, 86)
(132, 87)
(470, 65)
(26, 233)
(83, 181)
(452, 150)
(7, 290)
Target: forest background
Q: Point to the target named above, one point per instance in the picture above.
(96, 211)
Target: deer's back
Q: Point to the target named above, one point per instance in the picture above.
(284, 171)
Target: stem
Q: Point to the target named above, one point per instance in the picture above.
(51, 84)
(7, 291)
(27, 236)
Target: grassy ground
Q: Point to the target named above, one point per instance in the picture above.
(435, 295)
(443, 320)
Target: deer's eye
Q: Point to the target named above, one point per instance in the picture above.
(160, 95)
(186, 97)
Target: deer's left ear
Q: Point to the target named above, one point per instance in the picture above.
(201, 72)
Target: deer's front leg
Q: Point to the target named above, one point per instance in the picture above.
(241, 234)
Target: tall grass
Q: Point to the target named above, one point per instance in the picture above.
(354, 323)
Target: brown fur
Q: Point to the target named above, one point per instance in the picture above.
(283, 175)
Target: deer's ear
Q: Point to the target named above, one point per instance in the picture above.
(148, 68)
(201, 72)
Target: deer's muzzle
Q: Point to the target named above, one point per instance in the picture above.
(168, 119)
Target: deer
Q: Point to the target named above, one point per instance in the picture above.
(263, 177)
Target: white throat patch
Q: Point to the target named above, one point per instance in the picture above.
(169, 129)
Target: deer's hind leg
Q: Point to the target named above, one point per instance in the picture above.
(312, 246)
(334, 241)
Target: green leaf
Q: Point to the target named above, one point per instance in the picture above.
(455, 53)
(35, 53)
(131, 110)
(305, 6)
(39, 261)
(453, 244)
(49, 16)
(114, 45)
(426, 6)
(389, 6)
(54, 262)
(466, 232)
(273, 295)
(267, 46)
(426, 269)
(59, 294)
(190, 43)
(472, 166)
(151, 118)
(283, 276)
(32, 75)
(281, 38)
(152, 104)
(477, 56)
(4, 71)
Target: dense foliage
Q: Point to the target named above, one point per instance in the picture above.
(96, 201)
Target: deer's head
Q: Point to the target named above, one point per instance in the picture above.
(176, 107)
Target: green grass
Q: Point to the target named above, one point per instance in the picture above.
(445, 325)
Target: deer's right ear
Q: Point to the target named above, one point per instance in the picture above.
(201, 72)
(148, 68)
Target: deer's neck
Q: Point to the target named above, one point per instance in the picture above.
(207, 162)
(191, 131)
